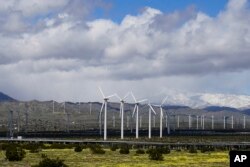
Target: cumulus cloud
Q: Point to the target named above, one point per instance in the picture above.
(149, 46)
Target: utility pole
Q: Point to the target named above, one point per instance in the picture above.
(244, 122)
(178, 121)
(140, 121)
(26, 120)
(224, 122)
(67, 122)
(18, 121)
(189, 122)
(197, 122)
(212, 121)
(232, 121)
(10, 124)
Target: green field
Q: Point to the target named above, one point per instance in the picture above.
(114, 158)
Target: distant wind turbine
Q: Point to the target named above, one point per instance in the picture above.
(149, 119)
(105, 104)
(161, 116)
(136, 109)
(122, 102)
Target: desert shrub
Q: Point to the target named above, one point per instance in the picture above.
(47, 162)
(96, 149)
(61, 146)
(207, 149)
(140, 151)
(192, 149)
(14, 153)
(113, 147)
(33, 148)
(155, 154)
(124, 149)
(4, 146)
(78, 148)
(164, 150)
(44, 156)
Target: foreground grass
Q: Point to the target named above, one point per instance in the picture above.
(87, 159)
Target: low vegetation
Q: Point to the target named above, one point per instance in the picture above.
(47, 162)
(124, 149)
(14, 153)
(97, 155)
(78, 148)
(96, 149)
(155, 154)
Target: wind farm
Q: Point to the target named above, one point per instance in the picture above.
(80, 119)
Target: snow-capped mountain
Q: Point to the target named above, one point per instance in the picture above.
(202, 100)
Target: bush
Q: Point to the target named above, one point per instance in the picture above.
(47, 162)
(61, 146)
(140, 151)
(207, 149)
(155, 154)
(33, 148)
(113, 147)
(78, 148)
(96, 149)
(164, 150)
(192, 149)
(124, 149)
(14, 153)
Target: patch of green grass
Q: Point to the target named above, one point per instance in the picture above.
(112, 158)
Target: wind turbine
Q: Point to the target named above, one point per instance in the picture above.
(136, 109)
(161, 116)
(149, 119)
(122, 102)
(105, 104)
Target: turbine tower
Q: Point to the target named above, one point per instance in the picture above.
(122, 102)
(161, 116)
(105, 104)
(149, 119)
(136, 109)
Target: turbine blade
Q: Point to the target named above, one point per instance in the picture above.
(102, 107)
(152, 108)
(101, 92)
(120, 110)
(111, 95)
(127, 94)
(118, 97)
(142, 100)
(133, 97)
(134, 111)
(164, 100)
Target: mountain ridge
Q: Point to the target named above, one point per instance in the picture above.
(4, 97)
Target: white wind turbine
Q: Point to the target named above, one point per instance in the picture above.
(122, 102)
(105, 104)
(136, 109)
(161, 116)
(149, 119)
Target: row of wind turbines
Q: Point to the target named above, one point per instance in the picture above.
(135, 113)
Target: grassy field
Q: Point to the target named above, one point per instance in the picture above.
(111, 159)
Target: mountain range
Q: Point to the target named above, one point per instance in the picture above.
(209, 101)
(4, 97)
(206, 101)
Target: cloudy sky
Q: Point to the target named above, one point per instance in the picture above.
(65, 49)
